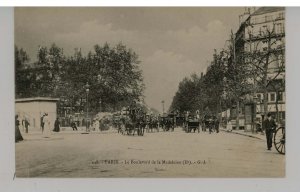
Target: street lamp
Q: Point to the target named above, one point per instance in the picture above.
(163, 106)
(262, 110)
(87, 89)
(255, 100)
(100, 102)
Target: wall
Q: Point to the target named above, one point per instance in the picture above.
(33, 110)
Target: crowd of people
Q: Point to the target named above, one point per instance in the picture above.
(130, 119)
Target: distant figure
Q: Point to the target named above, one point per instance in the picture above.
(198, 115)
(56, 125)
(73, 125)
(18, 136)
(229, 126)
(42, 122)
(23, 124)
(26, 125)
(47, 129)
(217, 124)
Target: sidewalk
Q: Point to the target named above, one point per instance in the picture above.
(248, 134)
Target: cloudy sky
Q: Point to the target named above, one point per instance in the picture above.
(172, 42)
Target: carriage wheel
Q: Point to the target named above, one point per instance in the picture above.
(279, 140)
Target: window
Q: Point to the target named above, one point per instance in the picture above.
(268, 18)
(280, 16)
(279, 28)
(282, 115)
(272, 97)
(265, 29)
(280, 96)
(259, 97)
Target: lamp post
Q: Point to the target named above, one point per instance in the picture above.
(163, 106)
(255, 99)
(262, 110)
(87, 89)
(100, 102)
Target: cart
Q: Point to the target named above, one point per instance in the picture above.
(192, 124)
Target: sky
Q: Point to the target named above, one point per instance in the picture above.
(172, 43)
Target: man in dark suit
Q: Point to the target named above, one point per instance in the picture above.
(269, 126)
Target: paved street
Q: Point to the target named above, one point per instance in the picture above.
(163, 154)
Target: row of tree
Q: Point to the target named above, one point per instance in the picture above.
(235, 76)
(111, 77)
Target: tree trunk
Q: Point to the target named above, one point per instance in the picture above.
(276, 106)
(265, 102)
(237, 115)
(265, 78)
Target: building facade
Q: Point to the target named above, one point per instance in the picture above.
(260, 44)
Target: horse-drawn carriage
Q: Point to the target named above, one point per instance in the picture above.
(152, 123)
(167, 123)
(132, 121)
(180, 121)
(211, 122)
(193, 123)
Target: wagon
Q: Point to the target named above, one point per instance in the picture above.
(180, 121)
(192, 124)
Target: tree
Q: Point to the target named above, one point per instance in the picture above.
(115, 77)
(22, 76)
(266, 60)
(113, 74)
(236, 77)
(203, 93)
(185, 98)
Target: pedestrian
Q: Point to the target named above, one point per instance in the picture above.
(229, 126)
(42, 122)
(47, 129)
(56, 125)
(217, 124)
(26, 125)
(269, 126)
(73, 125)
(23, 124)
(18, 136)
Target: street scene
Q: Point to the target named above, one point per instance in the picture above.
(150, 92)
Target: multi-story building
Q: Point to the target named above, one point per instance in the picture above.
(260, 44)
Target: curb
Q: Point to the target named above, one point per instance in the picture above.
(252, 136)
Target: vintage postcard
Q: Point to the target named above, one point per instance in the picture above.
(150, 92)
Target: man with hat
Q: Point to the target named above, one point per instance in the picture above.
(269, 126)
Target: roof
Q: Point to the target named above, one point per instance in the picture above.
(33, 99)
(264, 10)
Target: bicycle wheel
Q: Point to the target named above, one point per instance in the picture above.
(279, 140)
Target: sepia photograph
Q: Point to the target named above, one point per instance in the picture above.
(150, 92)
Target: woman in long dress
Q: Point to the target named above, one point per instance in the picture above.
(18, 136)
(47, 129)
(229, 126)
(56, 125)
